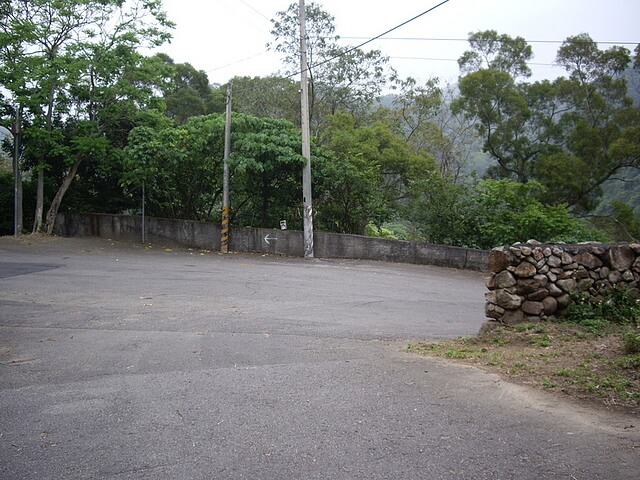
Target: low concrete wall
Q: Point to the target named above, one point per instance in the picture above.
(268, 241)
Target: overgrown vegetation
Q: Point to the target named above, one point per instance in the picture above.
(100, 120)
(592, 354)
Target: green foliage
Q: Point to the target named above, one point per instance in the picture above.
(366, 175)
(266, 97)
(631, 342)
(74, 68)
(497, 52)
(619, 305)
(187, 92)
(372, 230)
(182, 169)
(508, 211)
(341, 77)
(488, 213)
(571, 135)
(625, 217)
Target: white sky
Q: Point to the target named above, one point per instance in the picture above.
(226, 38)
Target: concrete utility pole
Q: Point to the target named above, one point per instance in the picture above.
(224, 237)
(306, 142)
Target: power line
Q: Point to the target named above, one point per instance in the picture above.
(242, 60)
(454, 60)
(609, 42)
(372, 39)
(255, 10)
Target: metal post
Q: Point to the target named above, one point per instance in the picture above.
(143, 212)
(224, 233)
(16, 172)
(306, 142)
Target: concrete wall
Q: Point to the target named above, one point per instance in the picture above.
(268, 241)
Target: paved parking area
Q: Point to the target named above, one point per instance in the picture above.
(122, 362)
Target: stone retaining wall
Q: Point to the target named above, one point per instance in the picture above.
(533, 282)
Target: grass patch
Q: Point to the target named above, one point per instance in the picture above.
(593, 354)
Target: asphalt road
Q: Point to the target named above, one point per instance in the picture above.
(121, 362)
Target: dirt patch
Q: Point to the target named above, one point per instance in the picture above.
(567, 359)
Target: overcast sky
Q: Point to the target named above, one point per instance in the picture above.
(227, 38)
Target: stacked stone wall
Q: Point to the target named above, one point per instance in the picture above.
(534, 282)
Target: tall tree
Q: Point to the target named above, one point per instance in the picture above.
(188, 92)
(496, 52)
(267, 97)
(571, 134)
(341, 78)
(599, 133)
(424, 117)
(366, 176)
(71, 63)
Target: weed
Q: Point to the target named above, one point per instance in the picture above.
(548, 384)
(460, 353)
(542, 341)
(618, 306)
(629, 362)
(530, 327)
(631, 341)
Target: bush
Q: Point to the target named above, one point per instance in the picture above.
(631, 341)
(618, 306)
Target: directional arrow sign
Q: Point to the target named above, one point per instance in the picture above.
(268, 238)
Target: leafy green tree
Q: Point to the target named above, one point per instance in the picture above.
(514, 120)
(490, 51)
(73, 66)
(441, 210)
(187, 92)
(182, 169)
(600, 129)
(366, 177)
(267, 97)
(571, 135)
(487, 213)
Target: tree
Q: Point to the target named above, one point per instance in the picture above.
(74, 67)
(487, 213)
(571, 134)
(514, 120)
(426, 120)
(188, 93)
(267, 97)
(491, 51)
(341, 78)
(600, 130)
(182, 169)
(366, 175)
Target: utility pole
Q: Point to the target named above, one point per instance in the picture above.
(306, 141)
(224, 233)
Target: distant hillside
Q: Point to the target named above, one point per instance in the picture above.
(625, 187)
(633, 84)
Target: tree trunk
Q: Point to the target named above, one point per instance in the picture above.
(57, 200)
(37, 221)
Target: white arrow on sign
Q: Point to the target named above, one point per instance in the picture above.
(268, 237)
